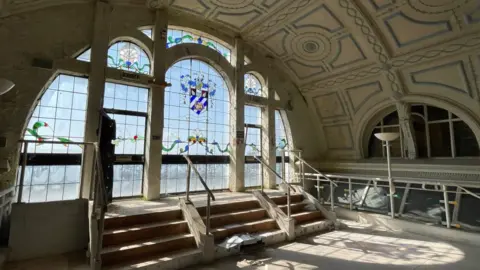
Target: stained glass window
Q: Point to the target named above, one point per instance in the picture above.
(252, 85)
(128, 56)
(85, 56)
(175, 37)
(148, 33)
(59, 116)
(196, 122)
(127, 180)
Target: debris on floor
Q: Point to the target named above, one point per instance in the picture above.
(240, 240)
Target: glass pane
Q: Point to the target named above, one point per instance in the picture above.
(253, 115)
(440, 140)
(128, 56)
(252, 85)
(281, 141)
(391, 119)
(63, 102)
(466, 144)
(420, 135)
(435, 113)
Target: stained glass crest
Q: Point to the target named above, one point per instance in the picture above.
(199, 90)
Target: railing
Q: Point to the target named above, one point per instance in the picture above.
(438, 187)
(302, 173)
(98, 194)
(209, 192)
(289, 187)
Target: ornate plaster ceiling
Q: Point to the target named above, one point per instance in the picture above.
(347, 55)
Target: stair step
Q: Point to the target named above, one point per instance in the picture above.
(146, 248)
(144, 231)
(294, 207)
(248, 227)
(282, 200)
(307, 216)
(229, 207)
(219, 220)
(170, 260)
(129, 221)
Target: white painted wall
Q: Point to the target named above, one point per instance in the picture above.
(41, 229)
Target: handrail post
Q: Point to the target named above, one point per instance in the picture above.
(350, 193)
(82, 177)
(332, 206)
(283, 166)
(302, 169)
(289, 212)
(447, 206)
(22, 172)
(318, 187)
(189, 168)
(208, 215)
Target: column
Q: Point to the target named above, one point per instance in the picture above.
(406, 127)
(237, 123)
(96, 85)
(268, 136)
(153, 153)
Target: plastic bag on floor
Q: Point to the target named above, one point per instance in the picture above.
(240, 240)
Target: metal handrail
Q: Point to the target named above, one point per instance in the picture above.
(209, 192)
(311, 167)
(289, 187)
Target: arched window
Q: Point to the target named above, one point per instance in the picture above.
(437, 132)
(124, 55)
(440, 133)
(252, 85)
(128, 56)
(177, 36)
(196, 123)
(53, 170)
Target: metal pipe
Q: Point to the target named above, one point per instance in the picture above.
(302, 169)
(83, 173)
(283, 166)
(318, 187)
(390, 182)
(189, 168)
(332, 199)
(22, 172)
(289, 213)
(447, 206)
(350, 191)
(208, 215)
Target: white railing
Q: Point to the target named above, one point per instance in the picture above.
(438, 186)
(209, 192)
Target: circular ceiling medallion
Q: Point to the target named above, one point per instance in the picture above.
(232, 4)
(311, 46)
(435, 6)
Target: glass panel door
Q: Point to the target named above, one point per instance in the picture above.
(253, 168)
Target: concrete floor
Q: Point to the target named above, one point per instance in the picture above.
(358, 246)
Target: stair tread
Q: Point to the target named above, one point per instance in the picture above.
(236, 213)
(291, 204)
(156, 260)
(142, 226)
(145, 242)
(305, 213)
(230, 226)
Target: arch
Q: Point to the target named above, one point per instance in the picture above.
(127, 55)
(196, 119)
(254, 84)
(367, 122)
(194, 51)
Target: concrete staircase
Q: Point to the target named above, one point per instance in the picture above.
(299, 209)
(130, 241)
(238, 217)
